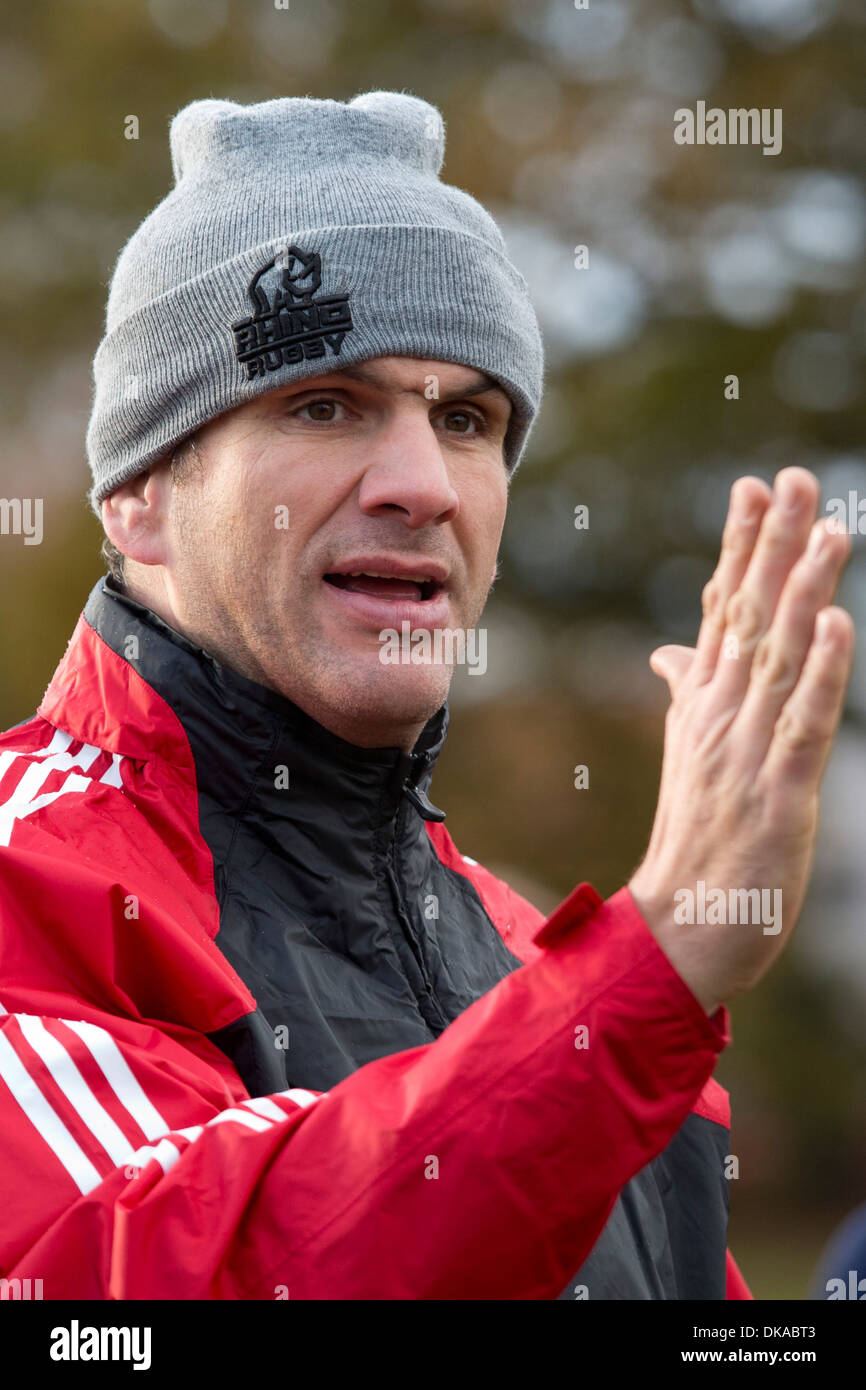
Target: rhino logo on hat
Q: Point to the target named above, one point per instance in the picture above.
(295, 267)
(288, 324)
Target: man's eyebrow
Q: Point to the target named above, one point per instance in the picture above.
(484, 385)
(360, 373)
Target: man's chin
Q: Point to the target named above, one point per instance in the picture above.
(375, 705)
(401, 691)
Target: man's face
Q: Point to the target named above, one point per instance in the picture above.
(330, 511)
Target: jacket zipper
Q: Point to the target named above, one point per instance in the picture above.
(418, 797)
(417, 762)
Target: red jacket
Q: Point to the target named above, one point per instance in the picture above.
(136, 1164)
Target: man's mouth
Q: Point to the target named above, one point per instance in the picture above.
(414, 588)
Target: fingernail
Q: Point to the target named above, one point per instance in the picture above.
(823, 628)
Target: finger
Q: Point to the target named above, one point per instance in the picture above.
(672, 663)
(781, 541)
(778, 661)
(804, 732)
(750, 498)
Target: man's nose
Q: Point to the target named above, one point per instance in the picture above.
(407, 472)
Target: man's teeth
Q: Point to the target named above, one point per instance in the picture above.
(373, 574)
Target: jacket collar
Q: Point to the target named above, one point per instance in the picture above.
(241, 733)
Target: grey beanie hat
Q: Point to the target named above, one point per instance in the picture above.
(301, 235)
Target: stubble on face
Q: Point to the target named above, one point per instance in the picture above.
(259, 620)
(251, 593)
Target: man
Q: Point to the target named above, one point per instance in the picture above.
(266, 1032)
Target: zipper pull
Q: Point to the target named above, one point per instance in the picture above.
(422, 803)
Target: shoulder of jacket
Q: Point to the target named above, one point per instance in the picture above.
(514, 917)
(40, 763)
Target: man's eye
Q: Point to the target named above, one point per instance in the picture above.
(324, 403)
(467, 417)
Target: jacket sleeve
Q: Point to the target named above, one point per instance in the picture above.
(736, 1286)
(482, 1165)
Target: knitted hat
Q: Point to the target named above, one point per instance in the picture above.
(301, 236)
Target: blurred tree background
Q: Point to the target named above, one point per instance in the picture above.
(703, 262)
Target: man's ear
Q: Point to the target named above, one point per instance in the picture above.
(134, 515)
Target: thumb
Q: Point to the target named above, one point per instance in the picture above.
(672, 663)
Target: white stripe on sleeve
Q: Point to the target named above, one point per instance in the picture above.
(45, 1120)
(300, 1097)
(75, 1088)
(242, 1117)
(165, 1152)
(115, 1068)
(263, 1105)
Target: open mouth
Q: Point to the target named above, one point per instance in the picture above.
(415, 588)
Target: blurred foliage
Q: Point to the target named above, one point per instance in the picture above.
(703, 262)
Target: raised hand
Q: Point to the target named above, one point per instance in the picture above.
(754, 710)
